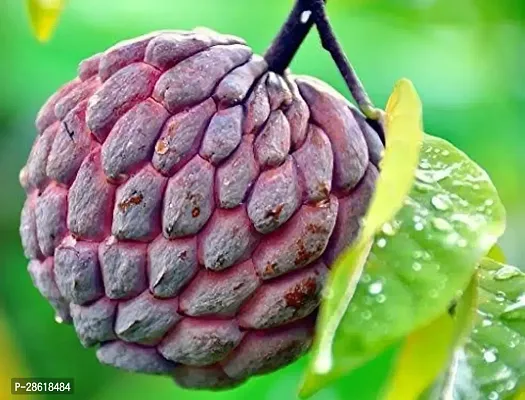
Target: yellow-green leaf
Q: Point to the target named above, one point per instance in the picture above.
(496, 253)
(44, 15)
(404, 136)
(11, 365)
(425, 354)
(421, 359)
(520, 395)
(464, 319)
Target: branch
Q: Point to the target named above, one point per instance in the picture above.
(292, 34)
(331, 44)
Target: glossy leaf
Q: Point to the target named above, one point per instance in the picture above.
(44, 15)
(443, 387)
(495, 350)
(403, 123)
(426, 354)
(421, 359)
(419, 262)
(496, 254)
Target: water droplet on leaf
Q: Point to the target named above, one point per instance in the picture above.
(375, 288)
(441, 202)
(441, 224)
(490, 356)
(381, 243)
(507, 272)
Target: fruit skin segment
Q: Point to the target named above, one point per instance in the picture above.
(184, 205)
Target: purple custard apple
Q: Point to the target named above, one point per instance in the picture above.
(185, 204)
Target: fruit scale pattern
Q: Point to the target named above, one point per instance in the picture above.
(184, 205)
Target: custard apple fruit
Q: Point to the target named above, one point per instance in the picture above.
(184, 205)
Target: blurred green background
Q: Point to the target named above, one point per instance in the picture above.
(466, 58)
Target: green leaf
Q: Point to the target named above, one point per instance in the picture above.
(403, 126)
(464, 316)
(43, 15)
(494, 355)
(496, 254)
(421, 359)
(419, 263)
(425, 353)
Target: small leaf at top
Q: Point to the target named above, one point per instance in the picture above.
(419, 262)
(404, 135)
(43, 15)
(403, 132)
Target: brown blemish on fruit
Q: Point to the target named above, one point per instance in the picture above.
(302, 254)
(269, 269)
(134, 200)
(301, 293)
(195, 212)
(323, 188)
(275, 212)
(161, 147)
(313, 228)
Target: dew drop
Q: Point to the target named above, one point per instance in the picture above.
(381, 243)
(375, 288)
(424, 164)
(418, 226)
(441, 224)
(490, 356)
(366, 278)
(511, 384)
(489, 202)
(441, 202)
(445, 153)
(515, 311)
(366, 315)
(432, 176)
(416, 266)
(507, 272)
(381, 298)
(58, 319)
(418, 254)
(499, 298)
(388, 229)
(486, 322)
(305, 16)
(493, 396)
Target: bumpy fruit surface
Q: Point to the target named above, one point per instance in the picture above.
(184, 205)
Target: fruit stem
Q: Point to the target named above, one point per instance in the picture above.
(290, 37)
(285, 45)
(331, 44)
